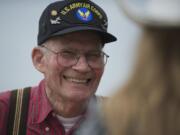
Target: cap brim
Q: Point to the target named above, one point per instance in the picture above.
(107, 37)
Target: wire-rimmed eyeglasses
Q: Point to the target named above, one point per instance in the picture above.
(67, 58)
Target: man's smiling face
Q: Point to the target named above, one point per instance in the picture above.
(77, 82)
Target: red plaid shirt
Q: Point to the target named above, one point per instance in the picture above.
(41, 119)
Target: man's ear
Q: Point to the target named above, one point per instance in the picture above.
(38, 59)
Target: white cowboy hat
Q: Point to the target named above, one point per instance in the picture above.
(164, 13)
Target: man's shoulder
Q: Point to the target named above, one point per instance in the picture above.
(4, 96)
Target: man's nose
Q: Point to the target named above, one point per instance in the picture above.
(82, 65)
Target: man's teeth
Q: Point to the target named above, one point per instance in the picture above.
(77, 80)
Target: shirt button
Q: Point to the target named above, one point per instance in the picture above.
(53, 114)
(47, 129)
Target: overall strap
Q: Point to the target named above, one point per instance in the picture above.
(18, 111)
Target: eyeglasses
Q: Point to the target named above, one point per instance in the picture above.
(67, 58)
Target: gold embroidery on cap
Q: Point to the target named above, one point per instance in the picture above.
(73, 6)
(54, 13)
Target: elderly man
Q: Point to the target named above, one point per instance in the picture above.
(72, 34)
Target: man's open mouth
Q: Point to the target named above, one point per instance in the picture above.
(77, 80)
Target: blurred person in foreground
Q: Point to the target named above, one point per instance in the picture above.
(149, 103)
(72, 34)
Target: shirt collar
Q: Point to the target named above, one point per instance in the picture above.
(40, 104)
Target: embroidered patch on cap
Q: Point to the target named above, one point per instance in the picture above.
(54, 13)
(55, 19)
(84, 14)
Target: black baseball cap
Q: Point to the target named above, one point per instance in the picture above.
(66, 16)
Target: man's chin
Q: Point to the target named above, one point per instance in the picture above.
(78, 97)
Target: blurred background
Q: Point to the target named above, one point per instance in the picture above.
(18, 34)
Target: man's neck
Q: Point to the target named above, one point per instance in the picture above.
(66, 108)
